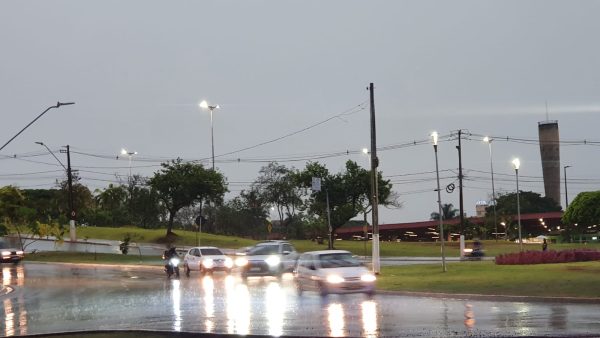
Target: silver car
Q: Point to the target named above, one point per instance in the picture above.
(270, 258)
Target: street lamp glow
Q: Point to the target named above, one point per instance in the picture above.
(516, 163)
(203, 104)
(434, 138)
(487, 139)
(365, 151)
(123, 151)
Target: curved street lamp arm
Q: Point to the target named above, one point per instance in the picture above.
(58, 104)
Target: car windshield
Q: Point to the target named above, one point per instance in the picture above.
(264, 250)
(338, 260)
(211, 252)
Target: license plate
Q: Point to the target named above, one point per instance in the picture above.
(254, 269)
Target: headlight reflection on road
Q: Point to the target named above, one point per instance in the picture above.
(6, 276)
(208, 285)
(238, 308)
(369, 318)
(275, 309)
(176, 297)
(336, 319)
(9, 318)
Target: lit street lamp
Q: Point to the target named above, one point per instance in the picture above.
(516, 164)
(130, 154)
(434, 137)
(489, 142)
(566, 193)
(205, 105)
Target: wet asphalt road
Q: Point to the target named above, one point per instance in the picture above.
(52, 298)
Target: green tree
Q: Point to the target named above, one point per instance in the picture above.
(180, 184)
(448, 212)
(347, 191)
(278, 186)
(83, 200)
(245, 215)
(583, 212)
(113, 201)
(530, 202)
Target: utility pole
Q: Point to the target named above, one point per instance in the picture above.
(72, 214)
(460, 183)
(374, 185)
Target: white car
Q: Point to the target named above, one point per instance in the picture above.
(206, 259)
(333, 271)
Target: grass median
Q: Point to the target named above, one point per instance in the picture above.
(580, 279)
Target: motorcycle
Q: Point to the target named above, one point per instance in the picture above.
(172, 267)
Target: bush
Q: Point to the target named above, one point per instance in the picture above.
(545, 257)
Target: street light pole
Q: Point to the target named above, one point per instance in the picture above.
(489, 142)
(516, 164)
(205, 105)
(434, 137)
(130, 154)
(566, 193)
(374, 184)
(58, 105)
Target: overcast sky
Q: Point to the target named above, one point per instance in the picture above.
(138, 69)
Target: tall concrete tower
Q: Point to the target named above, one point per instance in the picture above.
(550, 151)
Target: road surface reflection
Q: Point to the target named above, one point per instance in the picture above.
(15, 313)
(51, 298)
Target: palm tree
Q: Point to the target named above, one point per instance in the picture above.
(448, 212)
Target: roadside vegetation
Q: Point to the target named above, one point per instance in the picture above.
(543, 280)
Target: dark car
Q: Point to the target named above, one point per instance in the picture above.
(9, 254)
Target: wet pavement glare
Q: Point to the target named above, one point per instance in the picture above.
(56, 298)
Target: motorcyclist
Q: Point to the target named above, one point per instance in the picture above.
(167, 255)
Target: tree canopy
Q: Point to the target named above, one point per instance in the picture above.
(179, 184)
(584, 209)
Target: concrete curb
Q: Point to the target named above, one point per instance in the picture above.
(101, 265)
(505, 298)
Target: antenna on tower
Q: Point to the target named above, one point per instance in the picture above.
(547, 118)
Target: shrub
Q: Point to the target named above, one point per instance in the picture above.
(545, 257)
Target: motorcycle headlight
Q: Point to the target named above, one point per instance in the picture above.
(334, 279)
(174, 261)
(241, 261)
(273, 260)
(228, 263)
(5, 253)
(368, 277)
(208, 263)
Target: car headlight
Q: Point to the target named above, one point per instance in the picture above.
(174, 261)
(208, 263)
(368, 277)
(334, 279)
(273, 260)
(19, 252)
(5, 253)
(228, 263)
(241, 261)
